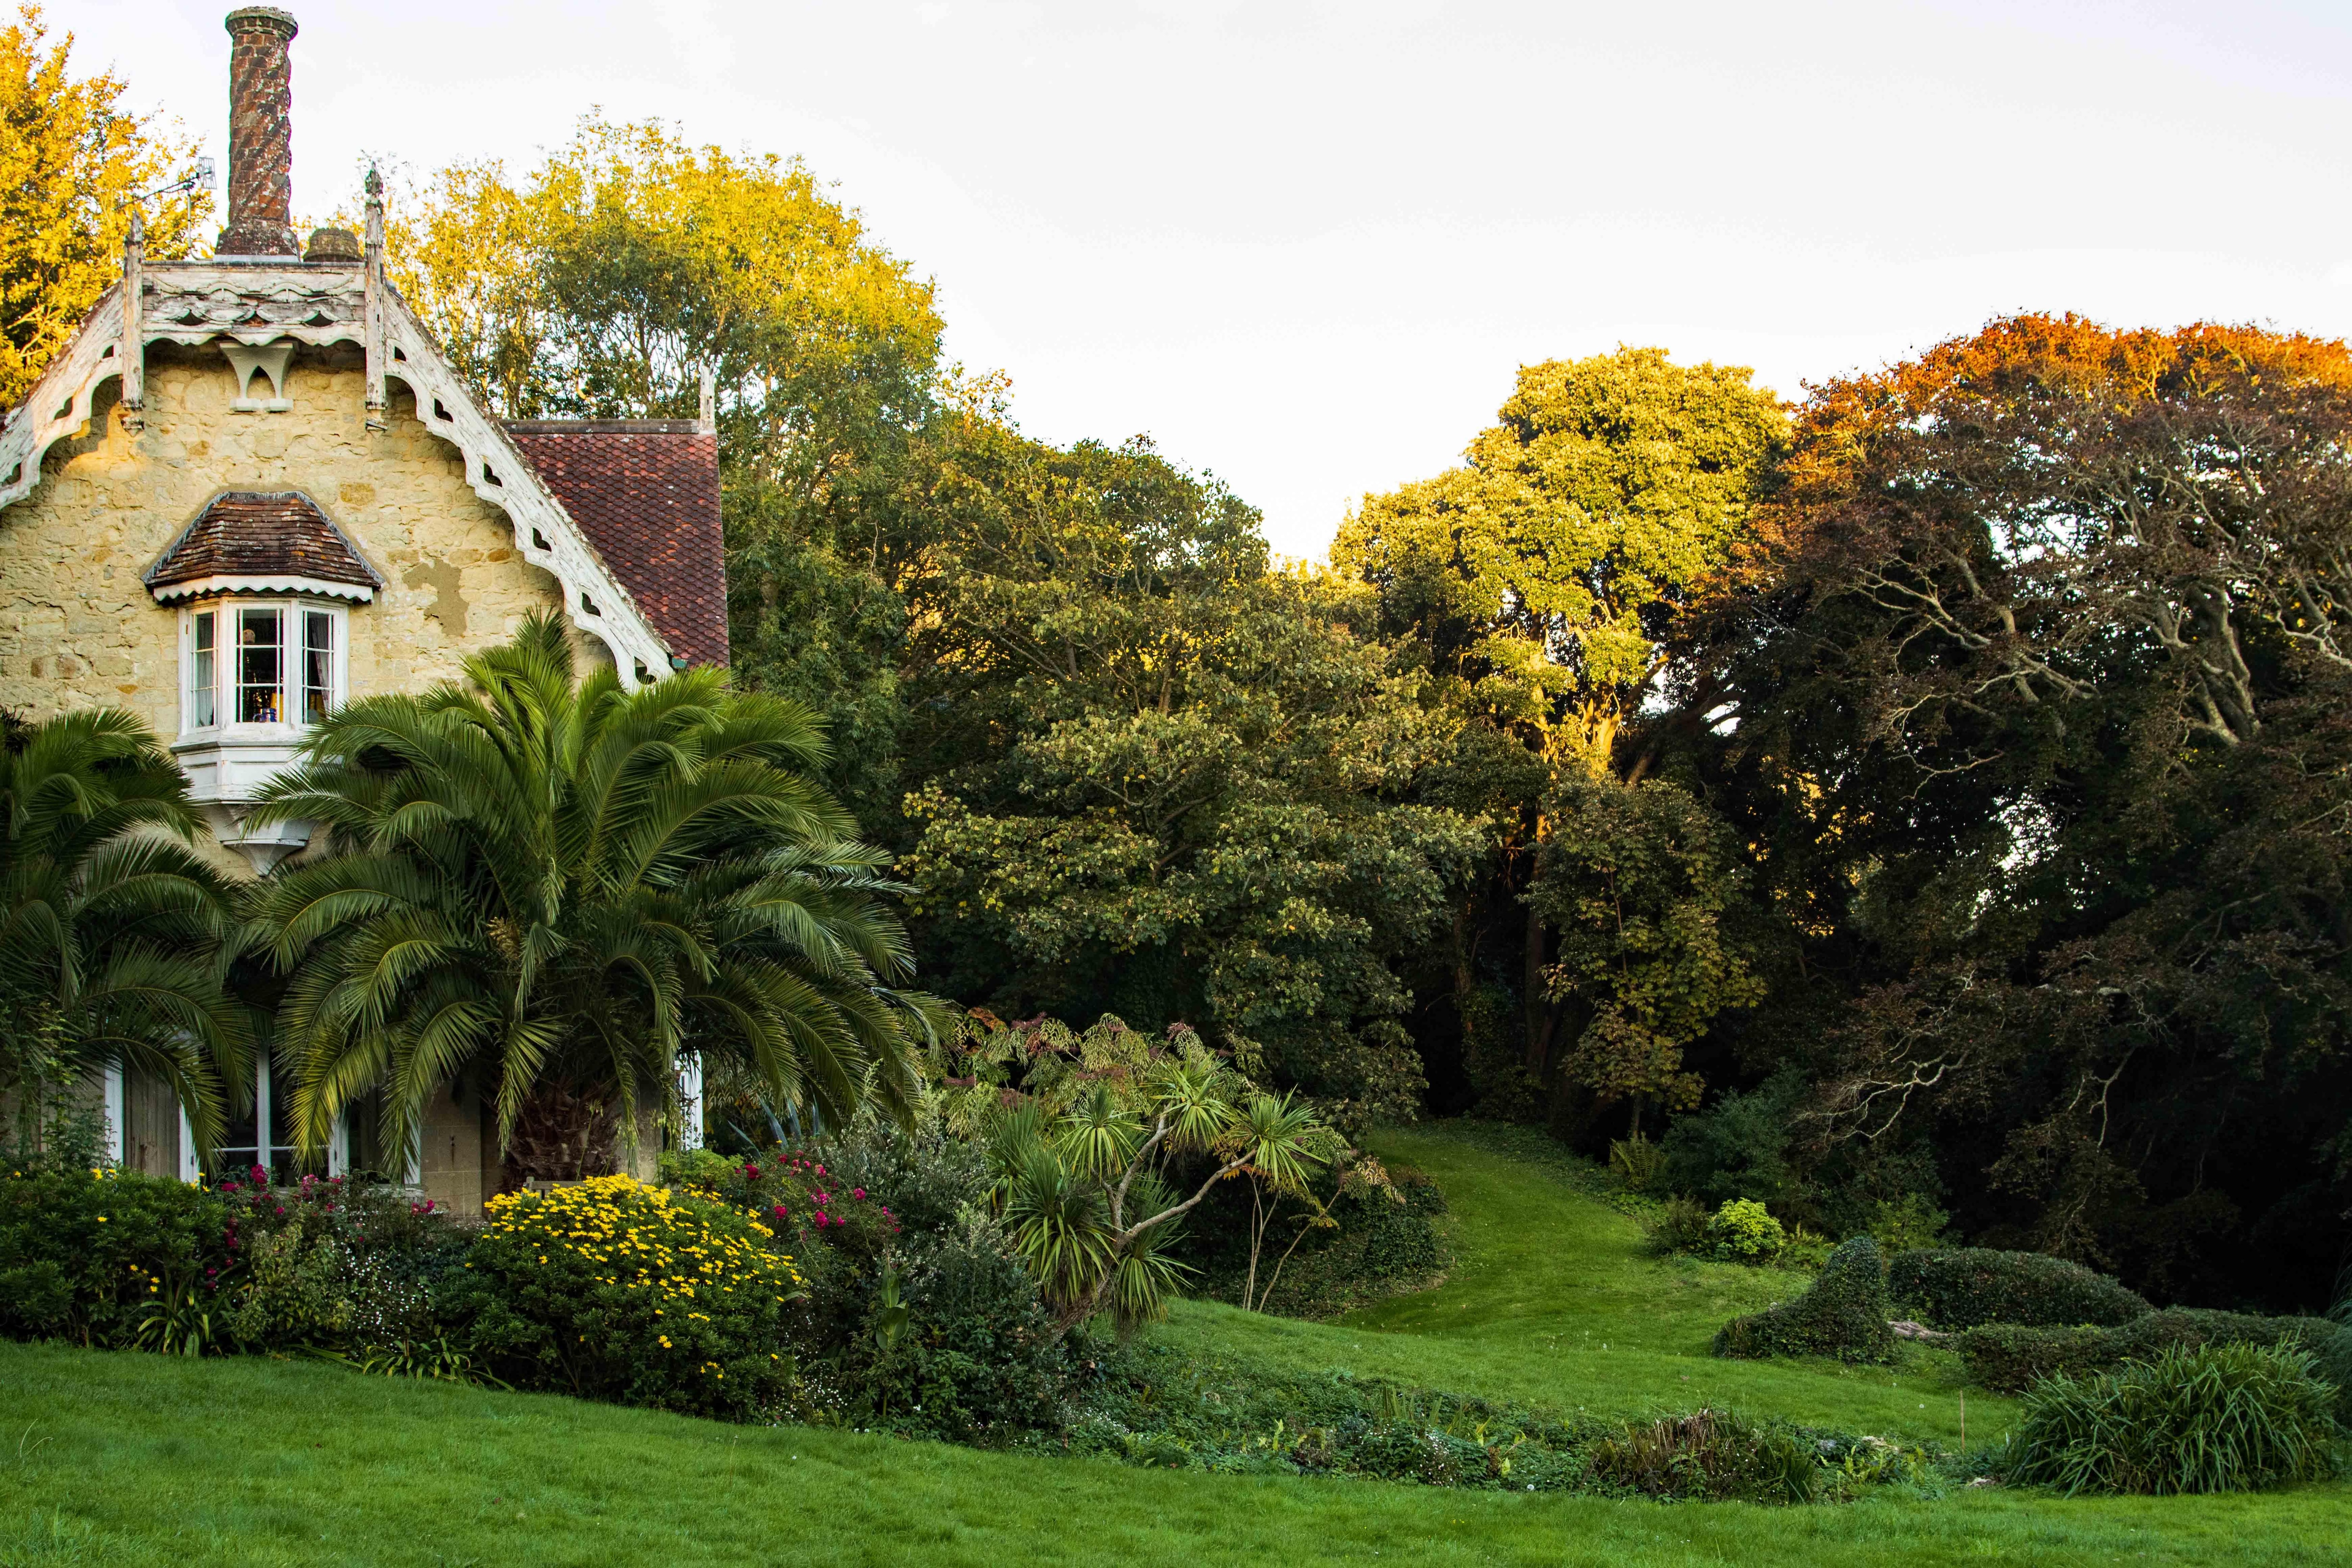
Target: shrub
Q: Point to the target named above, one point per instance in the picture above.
(1906, 1223)
(2009, 1358)
(2223, 1418)
(1636, 1161)
(1679, 1224)
(975, 1357)
(1959, 1288)
(1708, 1455)
(1742, 1231)
(612, 1289)
(1842, 1315)
(1737, 1148)
(82, 1251)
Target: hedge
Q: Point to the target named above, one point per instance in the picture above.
(1843, 1315)
(2009, 1358)
(1959, 1288)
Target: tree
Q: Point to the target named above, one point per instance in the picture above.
(2033, 724)
(607, 280)
(1087, 1133)
(115, 936)
(1543, 575)
(72, 160)
(1543, 582)
(555, 888)
(1636, 880)
(1164, 780)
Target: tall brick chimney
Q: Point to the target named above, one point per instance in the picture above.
(261, 135)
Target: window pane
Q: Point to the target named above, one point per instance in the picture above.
(261, 667)
(318, 665)
(203, 677)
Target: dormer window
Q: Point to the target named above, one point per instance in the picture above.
(261, 663)
(266, 586)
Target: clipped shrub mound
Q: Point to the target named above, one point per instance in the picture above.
(612, 1289)
(1961, 1287)
(2220, 1419)
(1843, 1315)
(2009, 1358)
(1744, 1231)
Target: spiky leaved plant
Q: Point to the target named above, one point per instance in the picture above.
(115, 934)
(552, 886)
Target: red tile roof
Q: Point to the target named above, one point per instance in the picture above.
(244, 534)
(647, 494)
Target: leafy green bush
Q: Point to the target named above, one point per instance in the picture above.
(1709, 1455)
(970, 1354)
(1906, 1223)
(82, 1252)
(1842, 1315)
(1678, 1225)
(1742, 1231)
(612, 1289)
(2221, 1418)
(1737, 1148)
(2009, 1358)
(1959, 1288)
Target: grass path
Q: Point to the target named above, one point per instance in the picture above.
(1553, 1297)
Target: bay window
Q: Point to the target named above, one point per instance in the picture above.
(261, 662)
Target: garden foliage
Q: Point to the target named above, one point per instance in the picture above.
(1843, 1314)
(2220, 1418)
(1710, 1455)
(972, 1355)
(1959, 1288)
(2011, 1358)
(612, 1289)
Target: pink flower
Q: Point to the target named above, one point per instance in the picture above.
(780, 1212)
(750, 1172)
(857, 1193)
(820, 1170)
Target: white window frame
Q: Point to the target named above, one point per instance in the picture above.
(293, 664)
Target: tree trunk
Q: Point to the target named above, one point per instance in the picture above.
(563, 1135)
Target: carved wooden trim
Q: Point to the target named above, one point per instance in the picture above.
(320, 305)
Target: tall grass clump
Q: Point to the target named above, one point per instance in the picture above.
(2221, 1418)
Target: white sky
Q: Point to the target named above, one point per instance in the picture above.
(1305, 244)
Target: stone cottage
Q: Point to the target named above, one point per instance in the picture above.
(253, 489)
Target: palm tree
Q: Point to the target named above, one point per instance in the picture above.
(115, 935)
(554, 887)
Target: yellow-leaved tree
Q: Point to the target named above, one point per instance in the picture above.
(72, 158)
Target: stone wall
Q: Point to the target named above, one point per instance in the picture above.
(77, 626)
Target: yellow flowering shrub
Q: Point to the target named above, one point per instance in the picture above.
(614, 1289)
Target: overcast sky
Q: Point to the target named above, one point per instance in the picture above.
(1305, 244)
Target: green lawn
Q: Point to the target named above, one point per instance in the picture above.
(1553, 1298)
(125, 1458)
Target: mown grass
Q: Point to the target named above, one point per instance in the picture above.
(125, 1458)
(1554, 1298)
(109, 1458)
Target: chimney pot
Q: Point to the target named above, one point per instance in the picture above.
(261, 134)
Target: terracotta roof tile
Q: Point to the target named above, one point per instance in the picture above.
(246, 535)
(647, 494)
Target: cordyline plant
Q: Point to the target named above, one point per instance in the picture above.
(1087, 1134)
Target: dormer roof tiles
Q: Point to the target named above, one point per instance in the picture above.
(260, 540)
